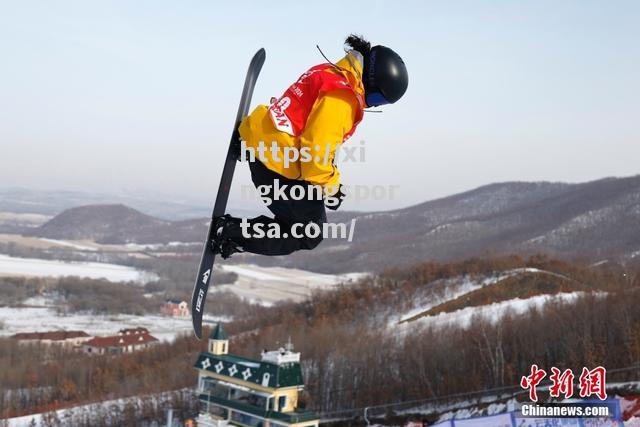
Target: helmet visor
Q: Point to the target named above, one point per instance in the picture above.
(375, 99)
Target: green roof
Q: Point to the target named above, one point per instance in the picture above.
(265, 374)
(218, 333)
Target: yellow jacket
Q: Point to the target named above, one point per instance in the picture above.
(332, 117)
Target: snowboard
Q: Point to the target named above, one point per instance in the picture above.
(233, 154)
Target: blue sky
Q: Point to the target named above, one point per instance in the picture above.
(140, 96)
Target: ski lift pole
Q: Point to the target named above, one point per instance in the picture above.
(170, 417)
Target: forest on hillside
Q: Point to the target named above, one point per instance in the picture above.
(354, 357)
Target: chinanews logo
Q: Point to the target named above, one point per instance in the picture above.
(277, 111)
(591, 382)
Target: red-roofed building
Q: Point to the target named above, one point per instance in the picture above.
(134, 331)
(65, 338)
(127, 341)
(175, 308)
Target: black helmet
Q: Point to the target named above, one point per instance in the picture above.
(385, 76)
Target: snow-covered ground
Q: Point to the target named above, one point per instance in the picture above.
(86, 245)
(264, 285)
(41, 316)
(268, 285)
(79, 246)
(151, 246)
(12, 266)
(99, 409)
(458, 286)
(492, 312)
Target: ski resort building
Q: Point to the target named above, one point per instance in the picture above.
(127, 341)
(239, 391)
(72, 339)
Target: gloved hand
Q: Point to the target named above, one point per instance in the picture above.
(334, 201)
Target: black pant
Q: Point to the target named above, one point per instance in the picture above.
(286, 213)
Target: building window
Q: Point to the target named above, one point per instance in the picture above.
(213, 409)
(249, 398)
(282, 402)
(212, 388)
(247, 420)
(265, 379)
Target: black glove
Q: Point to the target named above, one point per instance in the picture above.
(335, 200)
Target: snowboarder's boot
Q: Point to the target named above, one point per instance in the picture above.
(220, 242)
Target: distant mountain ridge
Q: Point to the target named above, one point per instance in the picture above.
(118, 224)
(53, 202)
(595, 220)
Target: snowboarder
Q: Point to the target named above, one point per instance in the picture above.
(306, 125)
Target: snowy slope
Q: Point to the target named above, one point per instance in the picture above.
(457, 287)
(492, 312)
(11, 266)
(268, 285)
(448, 290)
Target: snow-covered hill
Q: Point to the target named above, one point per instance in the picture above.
(457, 301)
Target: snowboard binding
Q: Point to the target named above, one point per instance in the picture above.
(220, 241)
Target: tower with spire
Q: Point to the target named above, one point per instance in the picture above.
(218, 341)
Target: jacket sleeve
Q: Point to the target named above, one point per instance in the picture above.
(331, 118)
